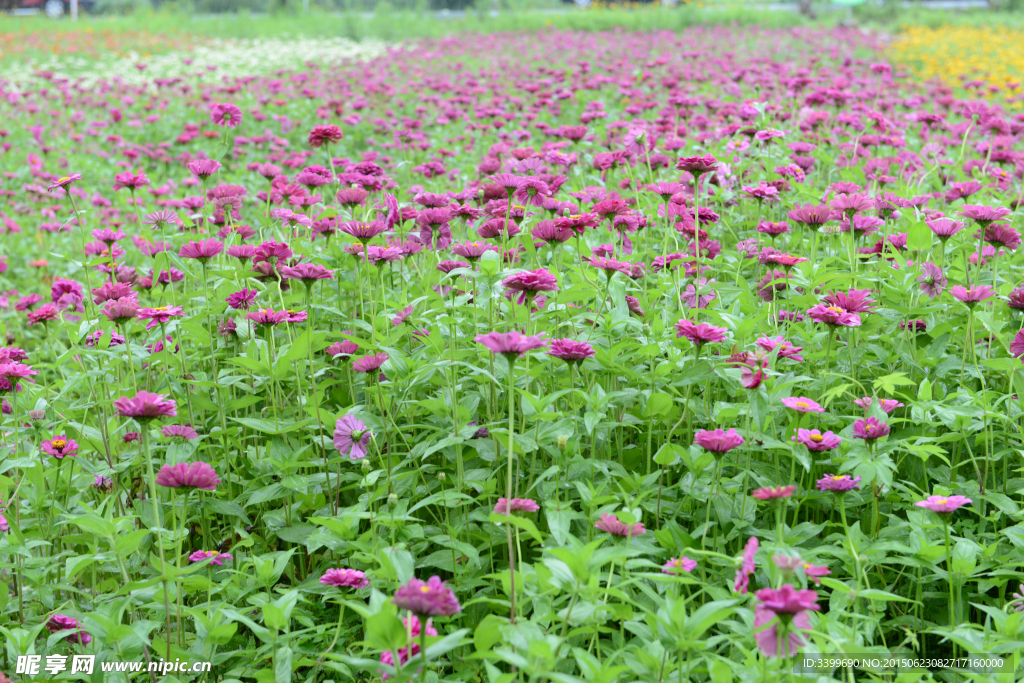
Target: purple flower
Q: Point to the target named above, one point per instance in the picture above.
(932, 281)
(838, 483)
(145, 406)
(218, 557)
(612, 525)
(887, 404)
(308, 273)
(943, 504)
(786, 608)
(833, 315)
(510, 344)
(60, 447)
(697, 165)
(242, 299)
(198, 475)
(984, 215)
(718, 440)
(869, 429)
(571, 351)
(678, 565)
(224, 114)
(345, 578)
(202, 251)
(529, 282)
(179, 432)
(766, 493)
(741, 584)
(971, 296)
(802, 405)
(507, 507)
(351, 437)
(816, 441)
(427, 599)
(59, 622)
(699, 333)
(370, 363)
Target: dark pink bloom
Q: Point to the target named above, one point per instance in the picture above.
(510, 344)
(612, 525)
(816, 441)
(202, 250)
(697, 165)
(833, 315)
(507, 507)
(570, 350)
(529, 282)
(345, 578)
(59, 622)
(887, 404)
(307, 273)
(869, 429)
(324, 135)
(678, 565)
(145, 406)
(225, 114)
(60, 447)
(217, 560)
(351, 437)
(179, 432)
(265, 317)
(838, 483)
(741, 584)
(427, 599)
(984, 215)
(718, 440)
(242, 299)
(943, 504)
(699, 333)
(766, 493)
(786, 350)
(783, 608)
(198, 475)
(370, 363)
(932, 281)
(802, 405)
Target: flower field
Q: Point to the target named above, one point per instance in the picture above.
(561, 356)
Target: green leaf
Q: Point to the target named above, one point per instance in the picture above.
(520, 523)
(221, 635)
(384, 631)
(658, 405)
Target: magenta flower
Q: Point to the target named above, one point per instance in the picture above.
(838, 483)
(869, 429)
(411, 625)
(699, 333)
(307, 273)
(833, 315)
(370, 363)
(786, 350)
(145, 406)
(130, 181)
(697, 165)
(718, 440)
(60, 447)
(119, 310)
(510, 344)
(198, 475)
(609, 266)
(351, 437)
(932, 281)
(242, 299)
(971, 296)
(783, 608)
(266, 317)
(886, 404)
(851, 204)
(179, 432)
(202, 250)
(225, 114)
(203, 168)
(64, 182)
(810, 214)
(59, 622)
(507, 507)
(217, 560)
(943, 504)
(984, 215)
(571, 351)
(612, 525)
(678, 565)
(345, 578)
(324, 135)
(816, 441)
(529, 282)
(160, 315)
(741, 584)
(427, 599)
(765, 493)
(802, 405)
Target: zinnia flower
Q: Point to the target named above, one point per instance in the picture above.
(838, 483)
(225, 114)
(718, 440)
(427, 599)
(59, 622)
(60, 447)
(785, 608)
(198, 475)
(571, 351)
(507, 507)
(612, 525)
(678, 565)
(351, 437)
(145, 406)
(971, 296)
(765, 493)
(345, 578)
(510, 344)
(741, 584)
(816, 441)
(943, 504)
(869, 429)
(218, 557)
(699, 333)
(802, 405)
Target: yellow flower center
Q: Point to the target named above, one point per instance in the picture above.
(424, 589)
(575, 216)
(942, 501)
(807, 565)
(160, 308)
(836, 310)
(817, 438)
(838, 477)
(59, 443)
(64, 179)
(802, 404)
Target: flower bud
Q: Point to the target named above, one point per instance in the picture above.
(563, 441)
(393, 499)
(442, 476)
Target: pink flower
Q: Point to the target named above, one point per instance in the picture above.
(570, 350)
(145, 406)
(217, 557)
(765, 493)
(427, 599)
(932, 280)
(785, 608)
(324, 135)
(802, 405)
(678, 565)
(345, 578)
(717, 440)
(179, 432)
(838, 483)
(943, 504)
(869, 429)
(697, 165)
(510, 344)
(816, 441)
(833, 315)
(198, 475)
(984, 215)
(370, 363)
(612, 525)
(59, 622)
(225, 114)
(971, 296)
(786, 350)
(351, 437)
(507, 507)
(741, 584)
(202, 250)
(60, 447)
(242, 299)
(887, 404)
(699, 333)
